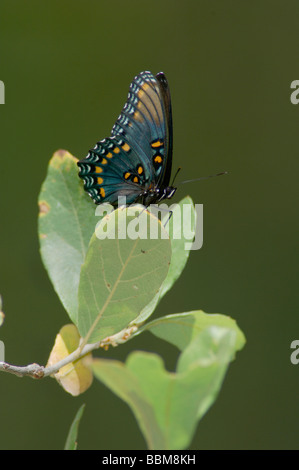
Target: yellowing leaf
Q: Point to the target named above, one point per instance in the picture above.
(75, 377)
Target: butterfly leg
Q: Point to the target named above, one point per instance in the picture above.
(165, 210)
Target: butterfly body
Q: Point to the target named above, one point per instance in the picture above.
(135, 161)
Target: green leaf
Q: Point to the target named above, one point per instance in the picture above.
(118, 377)
(71, 441)
(66, 223)
(120, 275)
(168, 405)
(179, 240)
(180, 255)
(181, 328)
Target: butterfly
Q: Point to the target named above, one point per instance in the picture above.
(135, 161)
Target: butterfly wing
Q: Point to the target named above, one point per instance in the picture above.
(167, 113)
(112, 169)
(138, 154)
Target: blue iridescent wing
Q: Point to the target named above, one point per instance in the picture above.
(167, 123)
(112, 169)
(146, 122)
(138, 154)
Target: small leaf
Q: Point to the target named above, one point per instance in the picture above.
(75, 377)
(66, 223)
(179, 329)
(71, 441)
(120, 275)
(180, 255)
(168, 405)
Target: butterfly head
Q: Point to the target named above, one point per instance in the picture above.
(157, 194)
(168, 192)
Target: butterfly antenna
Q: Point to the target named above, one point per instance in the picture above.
(177, 172)
(204, 177)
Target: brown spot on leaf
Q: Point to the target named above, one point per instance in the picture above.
(43, 207)
(62, 157)
(60, 153)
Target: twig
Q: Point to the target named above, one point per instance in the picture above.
(38, 372)
(33, 370)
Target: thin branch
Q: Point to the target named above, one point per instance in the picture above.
(33, 370)
(36, 371)
(74, 356)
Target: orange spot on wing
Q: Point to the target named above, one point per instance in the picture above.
(102, 192)
(126, 147)
(116, 150)
(157, 144)
(109, 155)
(100, 180)
(104, 161)
(158, 159)
(98, 169)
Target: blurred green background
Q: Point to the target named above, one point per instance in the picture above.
(67, 67)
